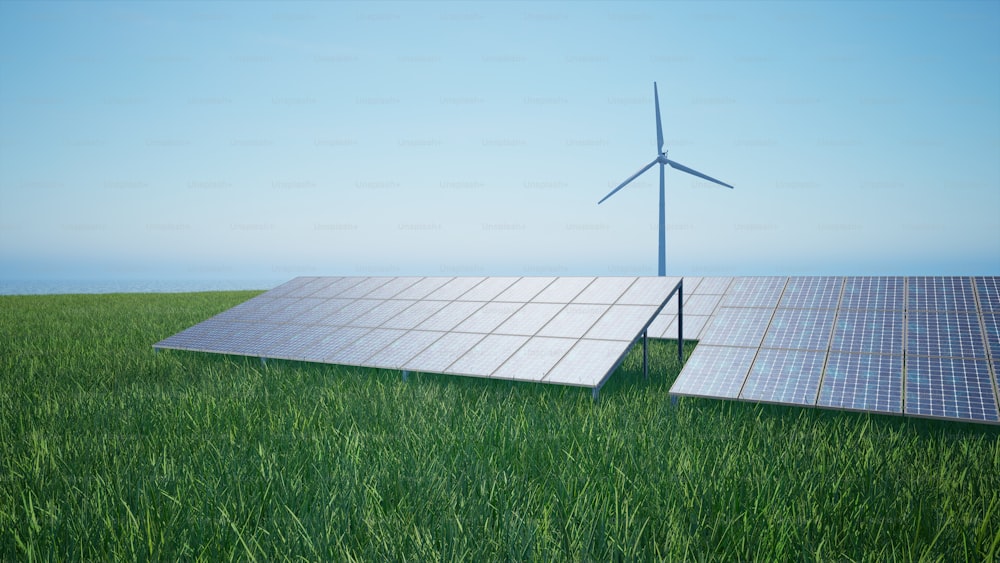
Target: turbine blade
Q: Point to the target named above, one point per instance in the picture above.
(630, 178)
(659, 128)
(693, 172)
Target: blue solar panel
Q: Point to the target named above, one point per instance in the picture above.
(988, 289)
(944, 334)
(820, 292)
(800, 329)
(992, 322)
(784, 376)
(949, 388)
(715, 371)
(737, 327)
(864, 382)
(869, 331)
(754, 292)
(873, 293)
(940, 294)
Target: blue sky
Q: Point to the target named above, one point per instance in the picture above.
(265, 141)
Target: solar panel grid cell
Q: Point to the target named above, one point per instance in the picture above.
(784, 376)
(940, 294)
(988, 290)
(821, 292)
(949, 388)
(883, 292)
(948, 334)
(715, 371)
(573, 368)
(754, 292)
(992, 323)
(801, 329)
(864, 382)
(737, 327)
(712, 286)
(869, 331)
(604, 291)
(487, 355)
(535, 359)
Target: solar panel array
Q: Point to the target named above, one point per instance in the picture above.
(565, 330)
(917, 346)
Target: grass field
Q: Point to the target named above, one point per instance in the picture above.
(109, 451)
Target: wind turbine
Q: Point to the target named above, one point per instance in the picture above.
(662, 159)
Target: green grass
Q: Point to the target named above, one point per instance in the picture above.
(109, 451)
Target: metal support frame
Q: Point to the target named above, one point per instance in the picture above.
(263, 361)
(406, 375)
(680, 321)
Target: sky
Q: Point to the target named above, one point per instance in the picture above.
(143, 140)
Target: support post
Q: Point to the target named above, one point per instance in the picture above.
(406, 375)
(263, 361)
(595, 392)
(680, 321)
(645, 355)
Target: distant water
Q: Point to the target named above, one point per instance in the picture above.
(42, 287)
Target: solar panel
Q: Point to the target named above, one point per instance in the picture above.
(714, 371)
(396, 354)
(754, 292)
(694, 304)
(646, 291)
(737, 327)
(658, 327)
(509, 327)
(453, 289)
(359, 350)
(988, 289)
(992, 324)
(949, 388)
(784, 376)
(873, 293)
(944, 334)
(820, 292)
(619, 322)
(488, 317)
(863, 382)
(450, 315)
(529, 319)
(573, 321)
(486, 356)
(422, 288)
(563, 290)
(694, 327)
(869, 331)
(801, 329)
(415, 314)
(363, 288)
(535, 359)
(571, 368)
(713, 286)
(524, 289)
(604, 290)
(940, 294)
(943, 331)
(443, 352)
(392, 288)
(487, 289)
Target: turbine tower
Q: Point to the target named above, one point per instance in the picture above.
(662, 159)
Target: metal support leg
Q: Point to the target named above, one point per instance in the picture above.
(263, 361)
(680, 321)
(645, 355)
(406, 375)
(595, 392)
